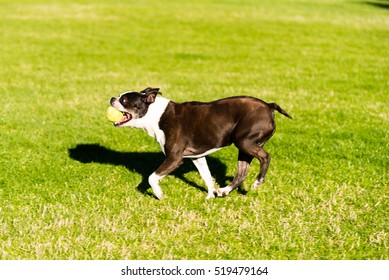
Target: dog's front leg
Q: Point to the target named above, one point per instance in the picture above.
(154, 183)
(202, 167)
(168, 166)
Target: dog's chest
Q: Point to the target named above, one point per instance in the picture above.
(150, 122)
(157, 134)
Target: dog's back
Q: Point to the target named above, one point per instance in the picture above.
(219, 123)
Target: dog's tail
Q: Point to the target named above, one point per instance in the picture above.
(274, 106)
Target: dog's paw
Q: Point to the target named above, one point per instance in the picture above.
(223, 191)
(159, 195)
(257, 183)
(211, 195)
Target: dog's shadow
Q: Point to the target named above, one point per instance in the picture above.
(145, 164)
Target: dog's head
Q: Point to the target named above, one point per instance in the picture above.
(134, 104)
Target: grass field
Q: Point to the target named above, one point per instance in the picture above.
(74, 187)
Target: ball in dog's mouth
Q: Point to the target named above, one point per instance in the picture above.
(113, 114)
(117, 117)
(125, 118)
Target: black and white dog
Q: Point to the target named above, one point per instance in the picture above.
(196, 129)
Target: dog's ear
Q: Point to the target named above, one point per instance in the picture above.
(150, 94)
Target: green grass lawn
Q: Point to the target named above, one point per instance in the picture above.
(74, 187)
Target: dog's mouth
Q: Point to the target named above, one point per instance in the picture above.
(126, 118)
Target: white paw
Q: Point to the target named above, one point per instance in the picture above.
(211, 195)
(158, 194)
(257, 183)
(223, 191)
(153, 181)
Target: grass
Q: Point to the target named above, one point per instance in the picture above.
(73, 187)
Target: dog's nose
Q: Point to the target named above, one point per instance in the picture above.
(112, 100)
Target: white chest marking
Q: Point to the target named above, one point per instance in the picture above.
(150, 121)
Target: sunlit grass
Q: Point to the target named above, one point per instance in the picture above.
(72, 186)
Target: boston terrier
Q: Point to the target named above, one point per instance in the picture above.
(196, 129)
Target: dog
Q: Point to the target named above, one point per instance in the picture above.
(196, 129)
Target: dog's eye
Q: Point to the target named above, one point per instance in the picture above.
(124, 100)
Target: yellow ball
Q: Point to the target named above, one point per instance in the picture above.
(113, 114)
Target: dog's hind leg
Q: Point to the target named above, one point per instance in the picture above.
(264, 159)
(255, 150)
(202, 167)
(244, 161)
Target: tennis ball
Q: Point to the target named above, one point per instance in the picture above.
(113, 114)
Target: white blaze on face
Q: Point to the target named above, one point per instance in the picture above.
(117, 105)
